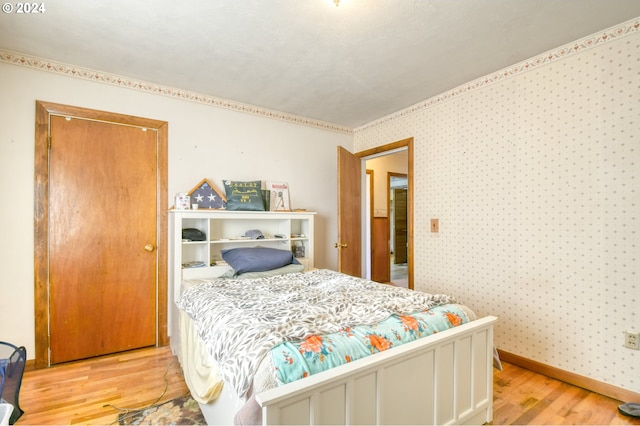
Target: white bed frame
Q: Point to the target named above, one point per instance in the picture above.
(446, 378)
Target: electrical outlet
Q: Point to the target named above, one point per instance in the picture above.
(632, 339)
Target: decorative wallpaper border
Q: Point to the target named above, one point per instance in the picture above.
(143, 86)
(580, 45)
(588, 42)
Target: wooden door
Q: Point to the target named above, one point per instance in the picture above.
(349, 213)
(400, 225)
(380, 267)
(102, 238)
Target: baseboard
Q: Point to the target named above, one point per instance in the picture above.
(592, 385)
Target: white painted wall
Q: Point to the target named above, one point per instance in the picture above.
(534, 173)
(391, 163)
(204, 141)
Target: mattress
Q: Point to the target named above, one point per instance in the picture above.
(236, 331)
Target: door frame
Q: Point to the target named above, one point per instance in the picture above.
(387, 149)
(41, 216)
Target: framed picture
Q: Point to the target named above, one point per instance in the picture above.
(279, 196)
(182, 201)
(207, 196)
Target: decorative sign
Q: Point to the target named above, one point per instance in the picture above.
(206, 196)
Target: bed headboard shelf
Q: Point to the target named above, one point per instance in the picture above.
(225, 229)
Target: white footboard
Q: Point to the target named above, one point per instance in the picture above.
(446, 378)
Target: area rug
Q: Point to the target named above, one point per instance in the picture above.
(180, 411)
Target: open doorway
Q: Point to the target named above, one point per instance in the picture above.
(387, 166)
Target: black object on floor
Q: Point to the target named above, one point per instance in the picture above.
(12, 362)
(631, 409)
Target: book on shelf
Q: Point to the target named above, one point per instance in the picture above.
(279, 196)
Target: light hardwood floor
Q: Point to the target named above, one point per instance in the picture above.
(523, 397)
(86, 392)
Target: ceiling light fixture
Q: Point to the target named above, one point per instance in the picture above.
(337, 2)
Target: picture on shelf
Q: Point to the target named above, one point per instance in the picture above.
(279, 196)
(206, 196)
(182, 201)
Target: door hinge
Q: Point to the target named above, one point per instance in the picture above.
(48, 142)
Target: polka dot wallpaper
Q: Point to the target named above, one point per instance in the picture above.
(534, 173)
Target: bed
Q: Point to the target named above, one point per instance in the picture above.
(238, 334)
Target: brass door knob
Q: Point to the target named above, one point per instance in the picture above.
(149, 247)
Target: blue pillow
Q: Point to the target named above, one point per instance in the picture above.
(257, 259)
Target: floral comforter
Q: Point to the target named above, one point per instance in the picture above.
(240, 321)
(296, 360)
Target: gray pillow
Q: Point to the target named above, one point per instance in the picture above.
(287, 269)
(257, 259)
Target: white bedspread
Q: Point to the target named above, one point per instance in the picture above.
(201, 373)
(241, 320)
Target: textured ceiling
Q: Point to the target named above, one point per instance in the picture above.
(346, 65)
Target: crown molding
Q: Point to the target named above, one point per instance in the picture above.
(550, 56)
(74, 71)
(611, 34)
